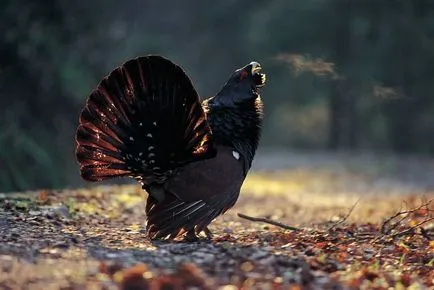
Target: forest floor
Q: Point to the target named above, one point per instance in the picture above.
(364, 222)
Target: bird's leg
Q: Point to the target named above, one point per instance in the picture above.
(208, 233)
(191, 236)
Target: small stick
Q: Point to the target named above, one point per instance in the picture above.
(268, 221)
(390, 224)
(409, 230)
(345, 217)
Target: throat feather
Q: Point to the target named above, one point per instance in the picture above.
(237, 126)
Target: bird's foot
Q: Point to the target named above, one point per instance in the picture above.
(208, 233)
(191, 237)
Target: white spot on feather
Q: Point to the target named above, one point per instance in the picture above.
(150, 148)
(131, 138)
(140, 124)
(154, 123)
(236, 155)
(149, 135)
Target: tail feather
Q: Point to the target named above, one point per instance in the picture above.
(95, 138)
(173, 217)
(143, 120)
(95, 116)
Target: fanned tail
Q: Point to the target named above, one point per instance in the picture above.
(143, 120)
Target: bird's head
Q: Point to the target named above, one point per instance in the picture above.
(243, 85)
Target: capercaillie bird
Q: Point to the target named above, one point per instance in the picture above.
(145, 121)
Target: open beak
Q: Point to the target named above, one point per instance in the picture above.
(259, 78)
(256, 67)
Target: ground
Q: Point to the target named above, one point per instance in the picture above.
(345, 207)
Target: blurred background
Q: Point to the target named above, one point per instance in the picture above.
(343, 76)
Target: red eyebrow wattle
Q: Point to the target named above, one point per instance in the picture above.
(243, 75)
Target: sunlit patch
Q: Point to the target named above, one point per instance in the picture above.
(201, 149)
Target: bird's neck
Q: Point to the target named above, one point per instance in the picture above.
(237, 126)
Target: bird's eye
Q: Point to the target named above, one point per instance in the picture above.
(243, 75)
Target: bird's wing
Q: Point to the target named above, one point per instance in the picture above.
(143, 120)
(206, 178)
(197, 194)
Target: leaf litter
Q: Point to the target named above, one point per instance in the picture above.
(94, 239)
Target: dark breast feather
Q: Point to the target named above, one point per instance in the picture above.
(237, 127)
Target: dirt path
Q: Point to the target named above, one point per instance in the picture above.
(93, 238)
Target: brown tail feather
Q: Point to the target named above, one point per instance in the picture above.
(143, 120)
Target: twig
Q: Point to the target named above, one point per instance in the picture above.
(409, 230)
(390, 224)
(425, 234)
(268, 221)
(345, 217)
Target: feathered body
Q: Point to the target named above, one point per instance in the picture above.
(145, 121)
(238, 127)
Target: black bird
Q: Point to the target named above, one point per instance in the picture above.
(145, 121)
